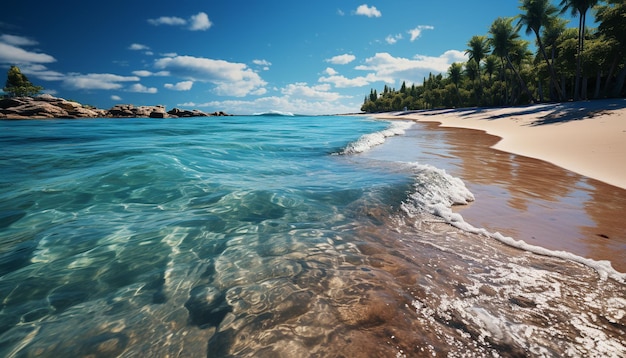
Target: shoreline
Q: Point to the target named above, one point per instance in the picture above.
(587, 137)
(532, 199)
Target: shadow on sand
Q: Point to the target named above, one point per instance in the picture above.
(557, 112)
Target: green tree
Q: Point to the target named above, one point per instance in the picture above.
(477, 51)
(18, 85)
(580, 8)
(455, 73)
(612, 25)
(505, 41)
(536, 14)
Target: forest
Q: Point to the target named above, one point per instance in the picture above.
(570, 63)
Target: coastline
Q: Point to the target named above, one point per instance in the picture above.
(535, 194)
(588, 138)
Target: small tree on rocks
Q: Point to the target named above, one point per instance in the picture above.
(18, 85)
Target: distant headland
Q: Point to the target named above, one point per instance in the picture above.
(48, 107)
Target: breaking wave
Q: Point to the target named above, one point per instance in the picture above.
(435, 192)
(368, 141)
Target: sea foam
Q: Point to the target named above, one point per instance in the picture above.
(368, 141)
(435, 192)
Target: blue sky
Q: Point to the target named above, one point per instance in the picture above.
(238, 56)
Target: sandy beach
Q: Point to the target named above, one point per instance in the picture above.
(587, 137)
(549, 174)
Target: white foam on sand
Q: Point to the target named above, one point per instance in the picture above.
(435, 192)
(368, 141)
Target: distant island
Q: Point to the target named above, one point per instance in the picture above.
(46, 106)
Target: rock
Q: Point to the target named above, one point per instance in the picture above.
(184, 113)
(47, 106)
(156, 114)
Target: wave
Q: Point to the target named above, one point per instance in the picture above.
(274, 114)
(435, 192)
(368, 141)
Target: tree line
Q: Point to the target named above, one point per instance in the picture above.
(569, 63)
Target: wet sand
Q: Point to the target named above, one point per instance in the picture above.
(529, 199)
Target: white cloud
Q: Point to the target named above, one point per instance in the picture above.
(341, 59)
(264, 63)
(144, 73)
(138, 47)
(103, 81)
(139, 88)
(368, 11)
(41, 72)
(180, 86)
(340, 12)
(14, 55)
(330, 71)
(417, 32)
(17, 40)
(231, 79)
(384, 67)
(392, 39)
(168, 20)
(116, 98)
(303, 90)
(344, 82)
(197, 22)
(200, 22)
(282, 103)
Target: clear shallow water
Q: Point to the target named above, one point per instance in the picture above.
(259, 236)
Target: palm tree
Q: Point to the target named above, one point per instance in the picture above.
(578, 7)
(538, 13)
(456, 72)
(551, 36)
(478, 49)
(504, 39)
(613, 27)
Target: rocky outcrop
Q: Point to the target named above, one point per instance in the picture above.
(47, 106)
(128, 110)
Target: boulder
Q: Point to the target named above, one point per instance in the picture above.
(184, 113)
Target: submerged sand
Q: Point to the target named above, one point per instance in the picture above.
(553, 175)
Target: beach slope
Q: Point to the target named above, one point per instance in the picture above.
(587, 137)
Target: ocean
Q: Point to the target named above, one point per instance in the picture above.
(273, 236)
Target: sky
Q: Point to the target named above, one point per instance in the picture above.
(238, 56)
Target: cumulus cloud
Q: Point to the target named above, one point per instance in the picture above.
(99, 81)
(298, 98)
(180, 86)
(341, 59)
(387, 68)
(197, 22)
(230, 78)
(116, 98)
(417, 32)
(330, 71)
(343, 82)
(317, 92)
(200, 22)
(139, 88)
(368, 11)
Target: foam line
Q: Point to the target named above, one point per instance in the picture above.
(436, 191)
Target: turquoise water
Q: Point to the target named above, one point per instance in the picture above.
(251, 236)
